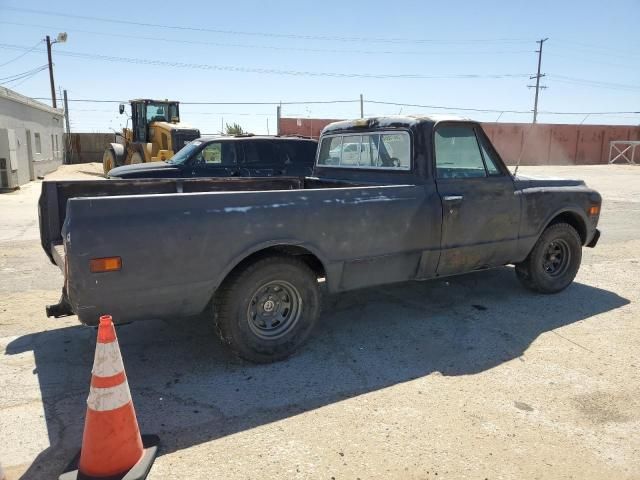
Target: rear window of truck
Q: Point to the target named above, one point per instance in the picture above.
(380, 150)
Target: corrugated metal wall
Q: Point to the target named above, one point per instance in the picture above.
(539, 144)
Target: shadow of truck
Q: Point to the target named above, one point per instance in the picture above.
(188, 389)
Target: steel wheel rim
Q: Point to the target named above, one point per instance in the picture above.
(274, 310)
(556, 258)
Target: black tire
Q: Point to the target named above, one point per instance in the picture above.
(264, 332)
(108, 161)
(554, 261)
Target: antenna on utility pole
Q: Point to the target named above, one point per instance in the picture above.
(538, 76)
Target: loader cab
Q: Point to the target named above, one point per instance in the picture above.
(145, 112)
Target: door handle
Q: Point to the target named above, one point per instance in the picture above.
(451, 201)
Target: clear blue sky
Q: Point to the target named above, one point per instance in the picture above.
(592, 57)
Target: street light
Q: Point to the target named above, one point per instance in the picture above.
(61, 38)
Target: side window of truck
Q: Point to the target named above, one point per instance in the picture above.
(259, 153)
(296, 153)
(457, 153)
(218, 153)
(212, 153)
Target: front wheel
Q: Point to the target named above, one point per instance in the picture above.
(266, 310)
(108, 161)
(554, 261)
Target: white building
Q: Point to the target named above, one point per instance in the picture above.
(31, 139)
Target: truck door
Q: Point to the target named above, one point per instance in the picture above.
(480, 211)
(261, 159)
(217, 159)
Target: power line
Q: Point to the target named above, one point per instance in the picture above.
(591, 61)
(593, 83)
(272, 71)
(23, 80)
(441, 107)
(20, 76)
(22, 54)
(311, 102)
(276, 48)
(266, 34)
(376, 102)
(597, 49)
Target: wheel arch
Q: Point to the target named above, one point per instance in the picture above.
(573, 218)
(307, 254)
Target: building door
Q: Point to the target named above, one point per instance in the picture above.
(32, 174)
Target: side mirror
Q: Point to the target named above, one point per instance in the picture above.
(121, 109)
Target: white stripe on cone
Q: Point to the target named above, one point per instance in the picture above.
(105, 399)
(107, 361)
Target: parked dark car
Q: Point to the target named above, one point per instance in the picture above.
(231, 156)
(417, 198)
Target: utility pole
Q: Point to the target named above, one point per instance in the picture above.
(61, 38)
(361, 107)
(53, 87)
(67, 150)
(537, 77)
(278, 117)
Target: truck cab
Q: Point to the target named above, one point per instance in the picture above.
(471, 189)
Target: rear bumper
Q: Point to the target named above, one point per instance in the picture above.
(594, 239)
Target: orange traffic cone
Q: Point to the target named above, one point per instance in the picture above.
(112, 446)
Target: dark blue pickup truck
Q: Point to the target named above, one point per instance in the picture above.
(391, 199)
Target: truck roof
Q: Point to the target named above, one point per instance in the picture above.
(255, 137)
(393, 121)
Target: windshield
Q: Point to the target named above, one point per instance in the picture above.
(185, 153)
(161, 112)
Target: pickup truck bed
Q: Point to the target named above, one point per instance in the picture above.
(254, 248)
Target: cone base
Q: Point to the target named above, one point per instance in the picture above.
(138, 472)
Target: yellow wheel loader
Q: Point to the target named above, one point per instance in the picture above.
(155, 134)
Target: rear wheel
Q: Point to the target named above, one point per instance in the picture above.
(554, 261)
(108, 161)
(267, 310)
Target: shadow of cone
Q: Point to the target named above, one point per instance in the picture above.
(112, 447)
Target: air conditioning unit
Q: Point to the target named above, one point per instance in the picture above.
(4, 173)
